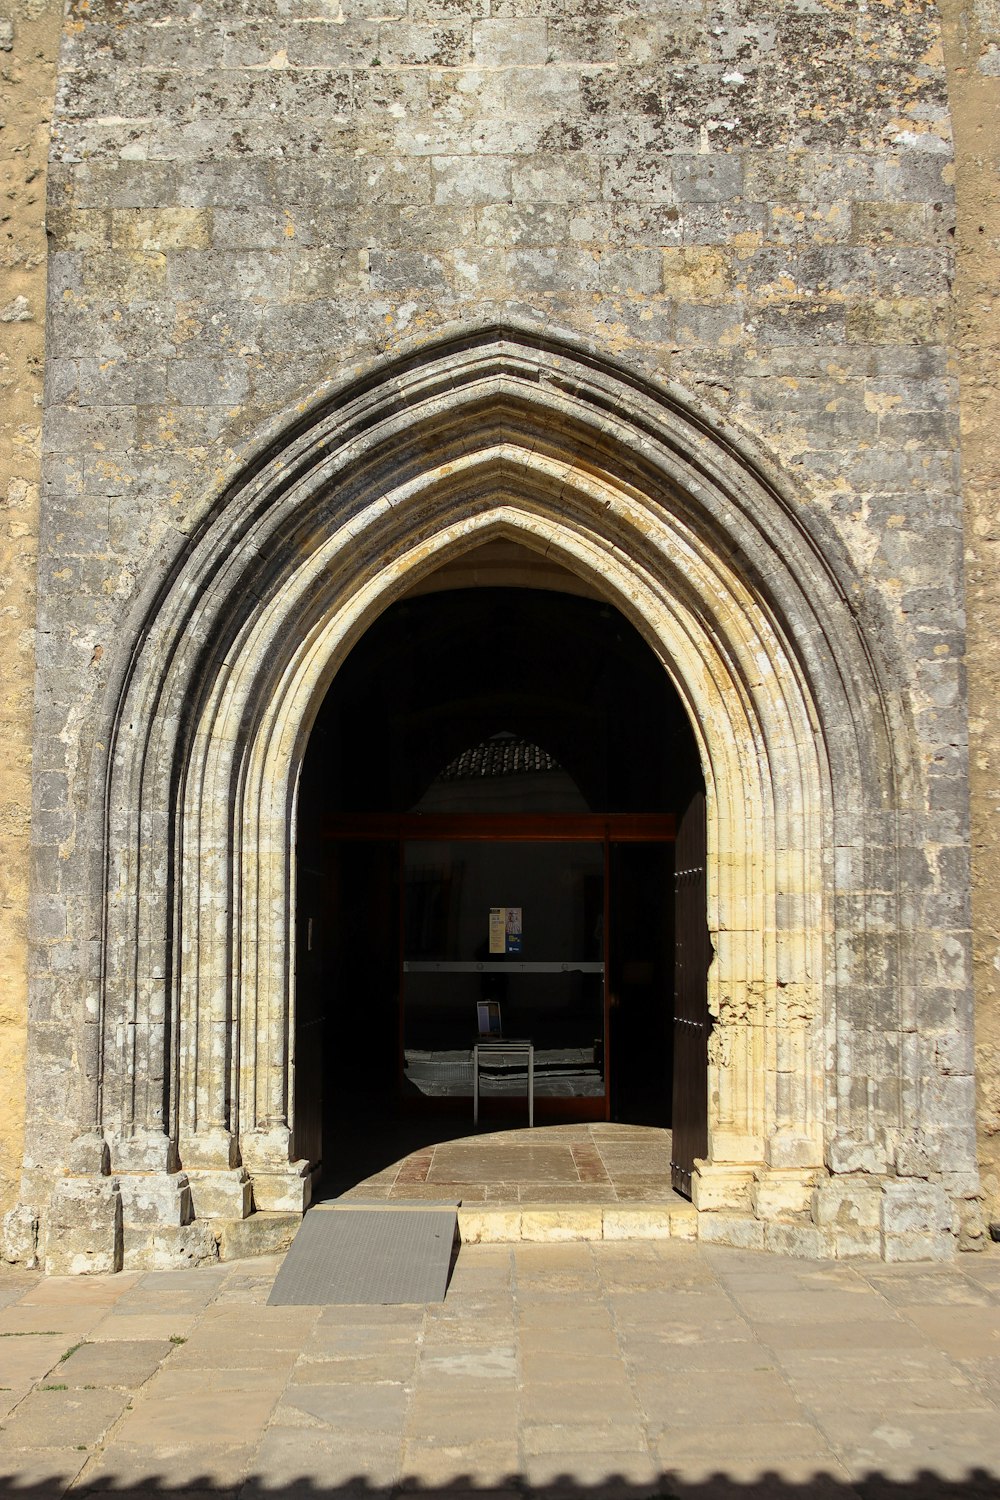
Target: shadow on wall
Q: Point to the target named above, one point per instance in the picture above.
(767, 1484)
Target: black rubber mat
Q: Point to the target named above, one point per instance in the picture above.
(367, 1255)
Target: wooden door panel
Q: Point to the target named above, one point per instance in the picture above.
(692, 957)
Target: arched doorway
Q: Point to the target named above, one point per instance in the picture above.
(822, 1072)
(504, 753)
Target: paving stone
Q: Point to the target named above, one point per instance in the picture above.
(563, 1402)
(47, 1472)
(581, 1437)
(984, 1269)
(70, 1324)
(229, 1354)
(132, 1326)
(462, 1411)
(866, 1367)
(946, 1290)
(11, 1394)
(492, 1463)
(527, 1164)
(726, 1356)
(396, 1366)
(964, 1332)
(888, 1396)
(53, 1418)
(213, 1470)
(709, 1305)
(879, 1335)
(29, 1357)
(553, 1343)
(450, 1420)
(677, 1401)
(168, 1419)
(549, 1261)
(14, 1284)
(832, 1306)
(76, 1293)
(764, 1442)
(623, 1473)
(118, 1363)
(899, 1446)
(291, 1460)
(539, 1369)
(469, 1366)
(350, 1408)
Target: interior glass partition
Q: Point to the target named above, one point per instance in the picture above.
(503, 938)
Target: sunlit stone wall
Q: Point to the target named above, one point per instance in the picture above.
(753, 202)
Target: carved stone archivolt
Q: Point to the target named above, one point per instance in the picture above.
(819, 1068)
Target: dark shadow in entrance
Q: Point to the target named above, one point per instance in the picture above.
(482, 700)
(370, 1134)
(388, 1155)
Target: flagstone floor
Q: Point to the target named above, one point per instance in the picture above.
(607, 1371)
(590, 1163)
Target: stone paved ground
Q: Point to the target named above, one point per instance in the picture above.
(587, 1163)
(589, 1368)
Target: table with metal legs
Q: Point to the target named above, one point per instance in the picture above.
(503, 1054)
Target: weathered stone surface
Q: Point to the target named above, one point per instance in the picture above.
(646, 1222)
(260, 1234)
(221, 1195)
(562, 1223)
(88, 1155)
(782, 1191)
(847, 1204)
(28, 50)
(916, 1222)
(20, 1235)
(971, 34)
(84, 1227)
(738, 1230)
(283, 1192)
(150, 1200)
(166, 1247)
(310, 199)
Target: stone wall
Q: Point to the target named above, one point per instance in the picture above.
(755, 201)
(972, 33)
(29, 35)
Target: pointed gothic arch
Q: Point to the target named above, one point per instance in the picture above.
(754, 612)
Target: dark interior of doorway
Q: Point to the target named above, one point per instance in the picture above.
(434, 680)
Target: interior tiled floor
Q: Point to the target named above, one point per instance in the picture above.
(588, 1163)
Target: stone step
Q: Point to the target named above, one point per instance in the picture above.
(481, 1224)
(262, 1233)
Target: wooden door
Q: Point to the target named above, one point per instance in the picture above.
(310, 1006)
(692, 956)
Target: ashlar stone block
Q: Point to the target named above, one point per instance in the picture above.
(780, 1192)
(88, 1154)
(84, 1227)
(916, 1222)
(20, 1236)
(637, 1222)
(167, 1248)
(283, 1192)
(153, 1200)
(803, 1240)
(739, 1230)
(221, 1195)
(715, 1188)
(849, 1205)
